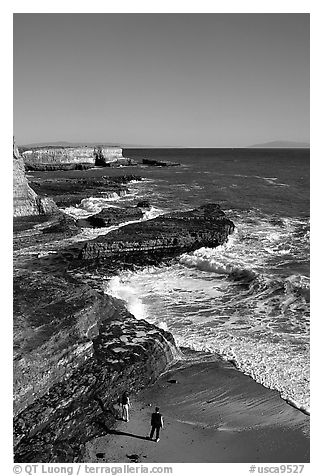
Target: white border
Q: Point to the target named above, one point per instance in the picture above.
(274, 6)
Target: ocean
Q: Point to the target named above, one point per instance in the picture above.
(247, 300)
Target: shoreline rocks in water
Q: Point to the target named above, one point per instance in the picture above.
(111, 216)
(71, 190)
(164, 236)
(75, 347)
(144, 204)
(159, 163)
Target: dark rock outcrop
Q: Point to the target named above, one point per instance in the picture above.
(70, 191)
(111, 216)
(143, 204)
(52, 167)
(159, 163)
(75, 351)
(165, 236)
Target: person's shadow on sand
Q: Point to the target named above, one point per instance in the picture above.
(123, 433)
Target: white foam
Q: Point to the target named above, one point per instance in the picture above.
(269, 180)
(162, 325)
(153, 212)
(117, 288)
(217, 260)
(255, 327)
(91, 233)
(90, 206)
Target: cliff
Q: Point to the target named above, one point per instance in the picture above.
(25, 200)
(51, 158)
(75, 351)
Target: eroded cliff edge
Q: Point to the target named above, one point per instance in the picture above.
(68, 158)
(75, 351)
(25, 200)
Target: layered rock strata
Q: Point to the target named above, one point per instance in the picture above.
(112, 216)
(167, 235)
(70, 191)
(25, 200)
(68, 158)
(75, 351)
(111, 156)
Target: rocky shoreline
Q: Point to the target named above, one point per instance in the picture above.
(71, 191)
(75, 347)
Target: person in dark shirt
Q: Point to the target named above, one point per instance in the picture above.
(156, 424)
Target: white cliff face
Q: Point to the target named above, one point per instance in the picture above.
(59, 155)
(71, 155)
(25, 200)
(112, 153)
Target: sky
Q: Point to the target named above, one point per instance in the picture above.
(182, 80)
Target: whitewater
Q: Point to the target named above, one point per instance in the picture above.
(219, 301)
(248, 300)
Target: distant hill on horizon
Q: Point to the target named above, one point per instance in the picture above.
(265, 145)
(281, 144)
(68, 144)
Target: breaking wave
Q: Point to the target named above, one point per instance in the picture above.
(127, 294)
(91, 206)
(236, 301)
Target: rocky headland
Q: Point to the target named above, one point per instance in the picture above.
(69, 158)
(83, 157)
(75, 347)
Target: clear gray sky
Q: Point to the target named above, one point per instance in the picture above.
(191, 80)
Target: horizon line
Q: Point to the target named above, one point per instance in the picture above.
(149, 146)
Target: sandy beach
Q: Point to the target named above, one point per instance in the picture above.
(213, 414)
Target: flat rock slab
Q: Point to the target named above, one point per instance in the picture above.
(168, 234)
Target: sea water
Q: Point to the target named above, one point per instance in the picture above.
(247, 300)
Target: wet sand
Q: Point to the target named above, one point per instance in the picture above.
(213, 414)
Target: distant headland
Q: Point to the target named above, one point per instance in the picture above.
(281, 144)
